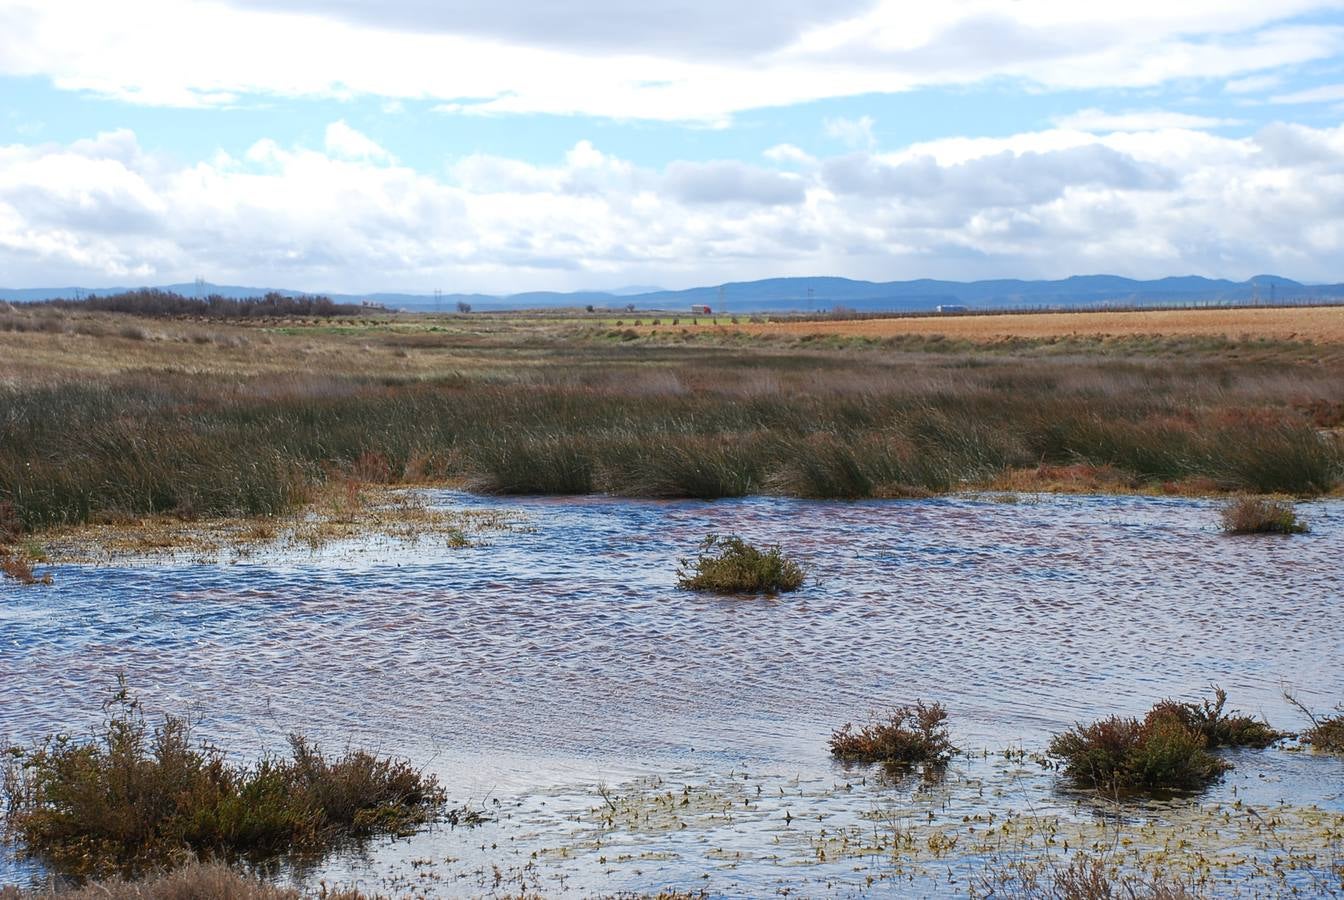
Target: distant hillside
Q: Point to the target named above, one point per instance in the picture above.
(820, 293)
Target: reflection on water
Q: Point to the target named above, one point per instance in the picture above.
(561, 653)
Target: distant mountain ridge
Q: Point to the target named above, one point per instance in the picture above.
(817, 293)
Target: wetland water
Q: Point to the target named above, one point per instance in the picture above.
(558, 656)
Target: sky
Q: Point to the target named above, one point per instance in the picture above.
(509, 145)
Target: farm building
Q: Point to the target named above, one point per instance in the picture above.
(699, 309)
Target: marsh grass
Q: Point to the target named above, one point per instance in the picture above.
(1084, 876)
(1167, 750)
(727, 564)
(190, 881)
(133, 798)
(550, 412)
(1261, 515)
(908, 735)
(14, 564)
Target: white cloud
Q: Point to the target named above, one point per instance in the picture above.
(851, 132)
(1139, 120)
(788, 154)
(1253, 84)
(695, 61)
(347, 143)
(1326, 93)
(1038, 204)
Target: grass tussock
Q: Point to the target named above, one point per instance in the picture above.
(915, 734)
(729, 565)
(1085, 876)
(1260, 515)
(1169, 749)
(15, 565)
(133, 798)
(192, 881)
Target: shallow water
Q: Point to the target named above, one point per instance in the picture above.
(560, 654)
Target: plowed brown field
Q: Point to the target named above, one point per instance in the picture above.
(1316, 323)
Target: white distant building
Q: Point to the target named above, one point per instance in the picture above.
(952, 308)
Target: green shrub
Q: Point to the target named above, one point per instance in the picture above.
(729, 565)
(1259, 515)
(131, 799)
(1167, 750)
(1207, 718)
(909, 735)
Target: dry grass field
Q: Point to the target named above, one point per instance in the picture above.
(1321, 324)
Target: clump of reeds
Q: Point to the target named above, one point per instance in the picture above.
(1167, 750)
(16, 565)
(1086, 876)
(191, 881)
(1261, 515)
(909, 735)
(729, 565)
(132, 797)
(1326, 732)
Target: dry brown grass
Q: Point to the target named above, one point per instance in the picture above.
(1315, 323)
(192, 881)
(339, 510)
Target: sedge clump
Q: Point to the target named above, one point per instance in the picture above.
(729, 565)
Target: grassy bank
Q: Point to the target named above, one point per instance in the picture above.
(251, 420)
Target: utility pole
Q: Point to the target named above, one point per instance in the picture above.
(810, 294)
(723, 308)
(438, 299)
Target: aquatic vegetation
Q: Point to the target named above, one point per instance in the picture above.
(16, 565)
(1167, 750)
(132, 798)
(1233, 729)
(191, 881)
(908, 735)
(1084, 876)
(1326, 732)
(1260, 515)
(729, 565)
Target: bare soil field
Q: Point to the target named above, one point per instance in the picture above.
(1322, 324)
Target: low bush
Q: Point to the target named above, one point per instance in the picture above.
(1259, 515)
(131, 799)
(1326, 732)
(1167, 750)
(729, 565)
(909, 735)
(1234, 729)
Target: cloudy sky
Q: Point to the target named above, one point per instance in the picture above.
(507, 145)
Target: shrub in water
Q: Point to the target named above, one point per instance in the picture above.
(1326, 732)
(132, 799)
(1232, 729)
(1258, 515)
(729, 565)
(909, 735)
(1168, 750)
